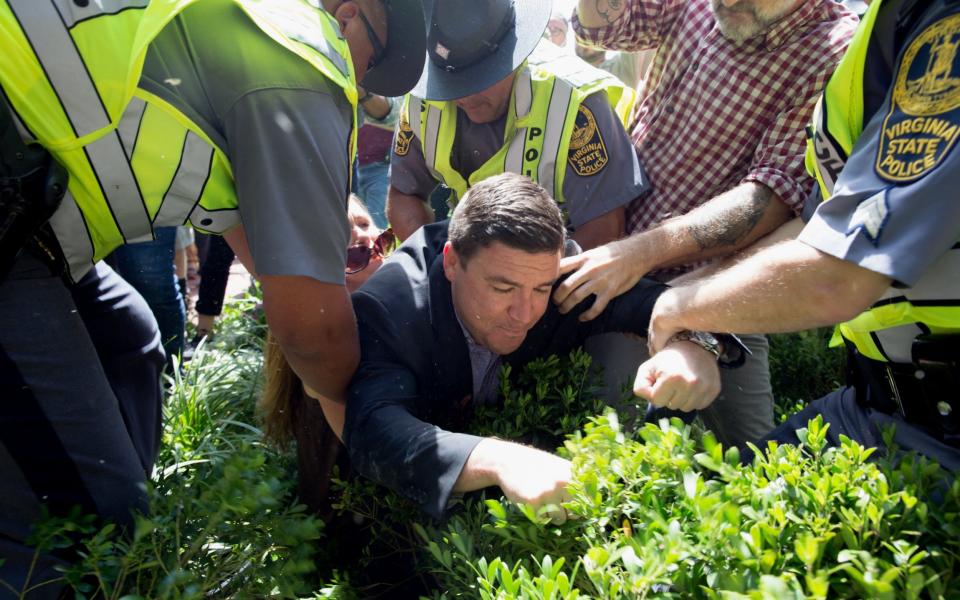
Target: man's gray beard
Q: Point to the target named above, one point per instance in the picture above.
(759, 26)
(739, 35)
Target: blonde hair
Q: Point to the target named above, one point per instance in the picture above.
(358, 201)
(282, 389)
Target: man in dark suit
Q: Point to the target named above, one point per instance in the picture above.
(438, 319)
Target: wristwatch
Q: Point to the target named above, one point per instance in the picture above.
(730, 352)
(366, 96)
(705, 340)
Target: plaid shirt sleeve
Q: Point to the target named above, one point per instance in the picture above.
(778, 161)
(641, 26)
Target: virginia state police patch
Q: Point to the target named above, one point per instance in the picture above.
(404, 135)
(588, 154)
(924, 117)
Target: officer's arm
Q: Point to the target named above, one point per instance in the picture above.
(407, 213)
(605, 228)
(237, 240)
(314, 324)
(788, 287)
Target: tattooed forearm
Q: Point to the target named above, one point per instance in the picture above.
(732, 222)
(609, 10)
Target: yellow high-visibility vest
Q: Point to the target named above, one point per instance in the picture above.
(547, 93)
(886, 330)
(136, 162)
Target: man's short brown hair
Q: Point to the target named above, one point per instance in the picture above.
(510, 209)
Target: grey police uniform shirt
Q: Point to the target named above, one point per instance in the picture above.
(286, 133)
(907, 229)
(587, 197)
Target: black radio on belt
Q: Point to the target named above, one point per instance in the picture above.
(32, 186)
(924, 392)
(937, 358)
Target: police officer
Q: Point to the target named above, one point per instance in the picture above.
(485, 106)
(238, 110)
(881, 253)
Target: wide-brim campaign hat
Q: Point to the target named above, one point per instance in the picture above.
(473, 44)
(402, 63)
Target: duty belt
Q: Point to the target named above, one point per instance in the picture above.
(923, 393)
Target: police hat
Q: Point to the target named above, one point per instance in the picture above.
(472, 44)
(400, 67)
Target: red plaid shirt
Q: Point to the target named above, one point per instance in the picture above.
(716, 114)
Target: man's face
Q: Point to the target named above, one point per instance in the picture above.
(741, 20)
(490, 104)
(557, 32)
(364, 25)
(501, 292)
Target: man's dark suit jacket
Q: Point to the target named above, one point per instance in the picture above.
(415, 376)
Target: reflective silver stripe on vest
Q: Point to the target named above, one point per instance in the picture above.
(51, 41)
(214, 221)
(188, 183)
(896, 343)
(939, 284)
(522, 103)
(523, 94)
(67, 73)
(309, 33)
(830, 158)
(413, 116)
(513, 163)
(120, 187)
(941, 281)
(431, 135)
(129, 125)
(553, 132)
(72, 235)
(73, 14)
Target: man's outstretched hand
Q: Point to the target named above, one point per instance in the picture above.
(524, 474)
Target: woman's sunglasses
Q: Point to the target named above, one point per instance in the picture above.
(359, 256)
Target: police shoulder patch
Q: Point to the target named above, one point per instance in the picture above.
(404, 135)
(924, 118)
(588, 154)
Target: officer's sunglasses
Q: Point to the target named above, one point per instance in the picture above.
(378, 49)
(359, 256)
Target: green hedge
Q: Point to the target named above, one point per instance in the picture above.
(223, 519)
(663, 511)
